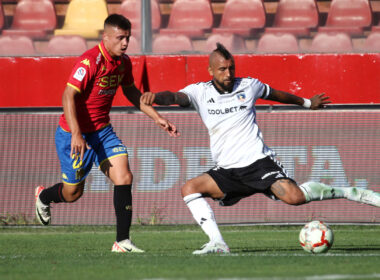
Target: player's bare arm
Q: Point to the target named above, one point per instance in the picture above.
(166, 98)
(78, 144)
(316, 102)
(134, 96)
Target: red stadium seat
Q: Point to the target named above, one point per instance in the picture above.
(16, 46)
(171, 44)
(131, 9)
(331, 42)
(66, 45)
(372, 43)
(295, 16)
(234, 43)
(33, 18)
(134, 46)
(349, 16)
(1, 16)
(242, 17)
(190, 18)
(278, 43)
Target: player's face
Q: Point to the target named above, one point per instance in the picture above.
(116, 40)
(223, 72)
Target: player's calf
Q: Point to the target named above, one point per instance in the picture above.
(315, 191)
(287, 191)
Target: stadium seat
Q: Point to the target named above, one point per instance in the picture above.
(234, 43)
(134, 46)
(376, 27)
(372, 43)
(171, 44)
(84, 18)
(131, 9)
(1, 16)
(331, 42)
(295, 16)
(16, 46)
(277, 43)
(66, 45)
(348, 16)
(190, 18)
(33, 18)
(242, 17)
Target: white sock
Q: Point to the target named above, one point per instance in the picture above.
(319, 191)
(204, 216)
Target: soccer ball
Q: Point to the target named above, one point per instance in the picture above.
(316, 237)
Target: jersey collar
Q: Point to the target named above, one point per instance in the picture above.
(220, 91)
(105, 53)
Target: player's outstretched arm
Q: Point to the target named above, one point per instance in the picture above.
(165, 98)
(316, 102)
(134, 95)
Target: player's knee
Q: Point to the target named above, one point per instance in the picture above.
(124, 179)
(72, 196)
(186, 189)
(189, 188)
(72, 193)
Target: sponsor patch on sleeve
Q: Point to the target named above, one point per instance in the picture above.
(80, 73)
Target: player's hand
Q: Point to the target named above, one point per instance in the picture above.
(147, 98)
(319, 101)
(78, 145)
(168, 127)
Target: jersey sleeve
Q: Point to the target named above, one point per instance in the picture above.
(192, 93)
(267, 90)
(261, 90)
(82, 73)
(128, 79)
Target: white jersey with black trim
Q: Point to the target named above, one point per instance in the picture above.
(235, 138)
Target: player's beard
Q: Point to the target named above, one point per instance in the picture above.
(225, 87)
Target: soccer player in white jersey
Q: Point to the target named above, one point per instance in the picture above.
(244, 164)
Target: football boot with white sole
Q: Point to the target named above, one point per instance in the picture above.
(363, 196)
(125, 246)
(213, 248)
(42, 210)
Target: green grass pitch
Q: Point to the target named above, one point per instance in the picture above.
(257, 252)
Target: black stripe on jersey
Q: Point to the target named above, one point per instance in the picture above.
(266, 92)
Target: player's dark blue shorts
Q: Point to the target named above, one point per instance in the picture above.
(104, 145)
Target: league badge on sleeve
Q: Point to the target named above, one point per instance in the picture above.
(80, 73)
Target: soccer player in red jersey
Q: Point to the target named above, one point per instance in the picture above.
(85, 135)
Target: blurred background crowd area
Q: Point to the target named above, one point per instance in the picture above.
(64, 27)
